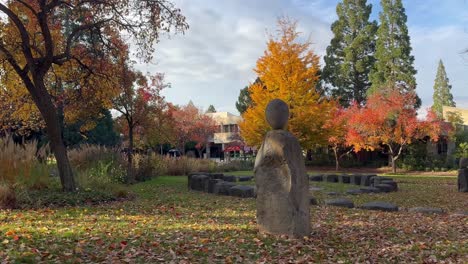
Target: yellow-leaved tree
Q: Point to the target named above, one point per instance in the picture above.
(288, 70)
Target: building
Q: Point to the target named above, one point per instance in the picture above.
(227, 134)
(445, 147)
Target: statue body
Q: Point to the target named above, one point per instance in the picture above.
(281, 179)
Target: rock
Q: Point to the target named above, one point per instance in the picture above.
(332, 193)
(197, 182)
(341, 202)
(369, 189)
(378, 180)
(392, 183)
(222, 187)
(312, 188)
(277, 114)
(317, 178)
(343, 179)
(331, 178)
(463, 180)
(355, 179)
(313, 201)
(384, 187)
(461, 214)
(381, 206)
(283, 204)
(354, 191)
(229, 178)
(243, 191)
(245, 178)
(366, 179)
(463, 163)
(426, 210)
(216, 176)
(209, 185)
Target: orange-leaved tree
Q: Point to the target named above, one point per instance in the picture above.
(288, 70)
(389, 122)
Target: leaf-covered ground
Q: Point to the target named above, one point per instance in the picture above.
(167, 223)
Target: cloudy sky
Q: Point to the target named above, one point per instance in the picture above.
(216, 56)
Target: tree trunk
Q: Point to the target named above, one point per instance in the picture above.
(130, 174)
(337, 159)
(54, 131)
(393, 164)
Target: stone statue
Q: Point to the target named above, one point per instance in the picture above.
(281, 179)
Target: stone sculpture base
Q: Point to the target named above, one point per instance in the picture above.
(282, 186)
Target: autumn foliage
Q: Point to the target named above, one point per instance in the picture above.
(389, 122)
(288, 70)
(191, 124)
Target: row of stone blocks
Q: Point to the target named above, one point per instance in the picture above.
(383, 184)
(220, 184)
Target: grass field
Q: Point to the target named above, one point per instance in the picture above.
(168, 223)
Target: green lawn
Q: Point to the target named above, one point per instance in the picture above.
(167, 222)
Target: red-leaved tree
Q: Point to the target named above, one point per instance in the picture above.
(191, 124)
(389, 122)
(337, 126)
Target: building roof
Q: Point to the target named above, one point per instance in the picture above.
(462, 112)
(225, 118)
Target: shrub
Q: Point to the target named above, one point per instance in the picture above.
(20, 163)
(7, 197)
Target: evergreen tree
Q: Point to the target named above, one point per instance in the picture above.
(442, 95)
(244, 101)
(350, 55)
(211, 109)
(394, 62)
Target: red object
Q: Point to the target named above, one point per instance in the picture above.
(232, 148)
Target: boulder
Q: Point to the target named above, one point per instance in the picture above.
(331, 178)
(426, 210)
(197, 182)
(209, 185)
(312, 188)
(283, 203)
(332, 193)
(222, 187)
(366, 179)
(384, 187)
(355, 179)
(343, 179)
(380, 206)
(245, 178)
(341, 202)
(370, 189)
(463, 180)
(317, 178)
(243, 191)
(379, 179)
(392, 183)
(354, 191)
(229, 178)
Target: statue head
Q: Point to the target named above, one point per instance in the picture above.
(277, 114)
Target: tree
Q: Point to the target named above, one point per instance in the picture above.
(211, 109)
(191, 124)
(338, 128)
(288, 71)
(442, 95)
(389, 122)
(394, 63)
(42, 42)
(136, 104)
(244, 101)
(350, 55)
